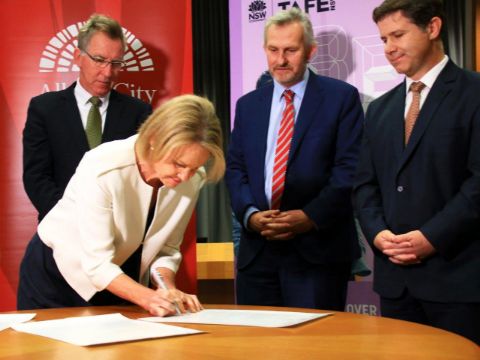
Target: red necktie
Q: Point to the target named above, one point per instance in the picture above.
(282, 149)
(414, 109)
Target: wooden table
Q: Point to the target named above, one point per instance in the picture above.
(342, 336)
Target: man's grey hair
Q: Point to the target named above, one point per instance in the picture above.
(292, 15)
(100, 23)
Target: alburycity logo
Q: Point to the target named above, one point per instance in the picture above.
(58, 57)
(58, 54)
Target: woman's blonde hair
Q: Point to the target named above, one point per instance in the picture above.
(183, 120)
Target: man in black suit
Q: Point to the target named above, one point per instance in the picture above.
(54, 138)
(417, 193)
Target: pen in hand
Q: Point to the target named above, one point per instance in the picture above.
(161, 284)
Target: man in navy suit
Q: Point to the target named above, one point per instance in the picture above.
(54, 137)
(298, 254)
(418, 195)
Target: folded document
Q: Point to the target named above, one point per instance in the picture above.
(262, 318)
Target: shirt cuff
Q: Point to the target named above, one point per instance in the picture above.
(248, 213)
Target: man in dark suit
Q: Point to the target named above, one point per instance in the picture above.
(297, 244)
(417, 192)
(54, 138)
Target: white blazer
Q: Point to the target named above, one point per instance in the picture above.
(100, 220)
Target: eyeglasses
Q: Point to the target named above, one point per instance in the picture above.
(103, 63)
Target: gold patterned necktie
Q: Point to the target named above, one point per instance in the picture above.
(414, 109)
(93, 129)
(282, 149)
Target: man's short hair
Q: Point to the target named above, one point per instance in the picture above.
(100, 23)
(420, 12)
(292, 15)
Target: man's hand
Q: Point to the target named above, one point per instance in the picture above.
(412, 248)
(258, 220)
(384, 240)
(404, 249)
(285, 225)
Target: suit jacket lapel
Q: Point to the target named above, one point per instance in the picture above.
(441, 87)
(397, 122)
(259, 139)
(114, 114)
(73, 118)
(308, 110)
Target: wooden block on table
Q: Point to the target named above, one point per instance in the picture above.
(215, 261)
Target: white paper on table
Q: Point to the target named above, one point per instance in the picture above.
(262, 318)
(7, 320)
(100, 329)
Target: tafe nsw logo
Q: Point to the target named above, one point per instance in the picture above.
(58, 54)
(309, 6)
(257, 11)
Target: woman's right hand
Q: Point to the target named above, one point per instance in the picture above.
(157, 302)
(160, 302)
(165, 302)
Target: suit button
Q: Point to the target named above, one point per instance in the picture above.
(400, 188)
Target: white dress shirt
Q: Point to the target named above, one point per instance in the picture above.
(276, 113)
(82, 96)
(428, 79)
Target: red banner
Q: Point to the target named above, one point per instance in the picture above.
(37, 48)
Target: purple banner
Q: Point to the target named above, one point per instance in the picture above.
(349, 47)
